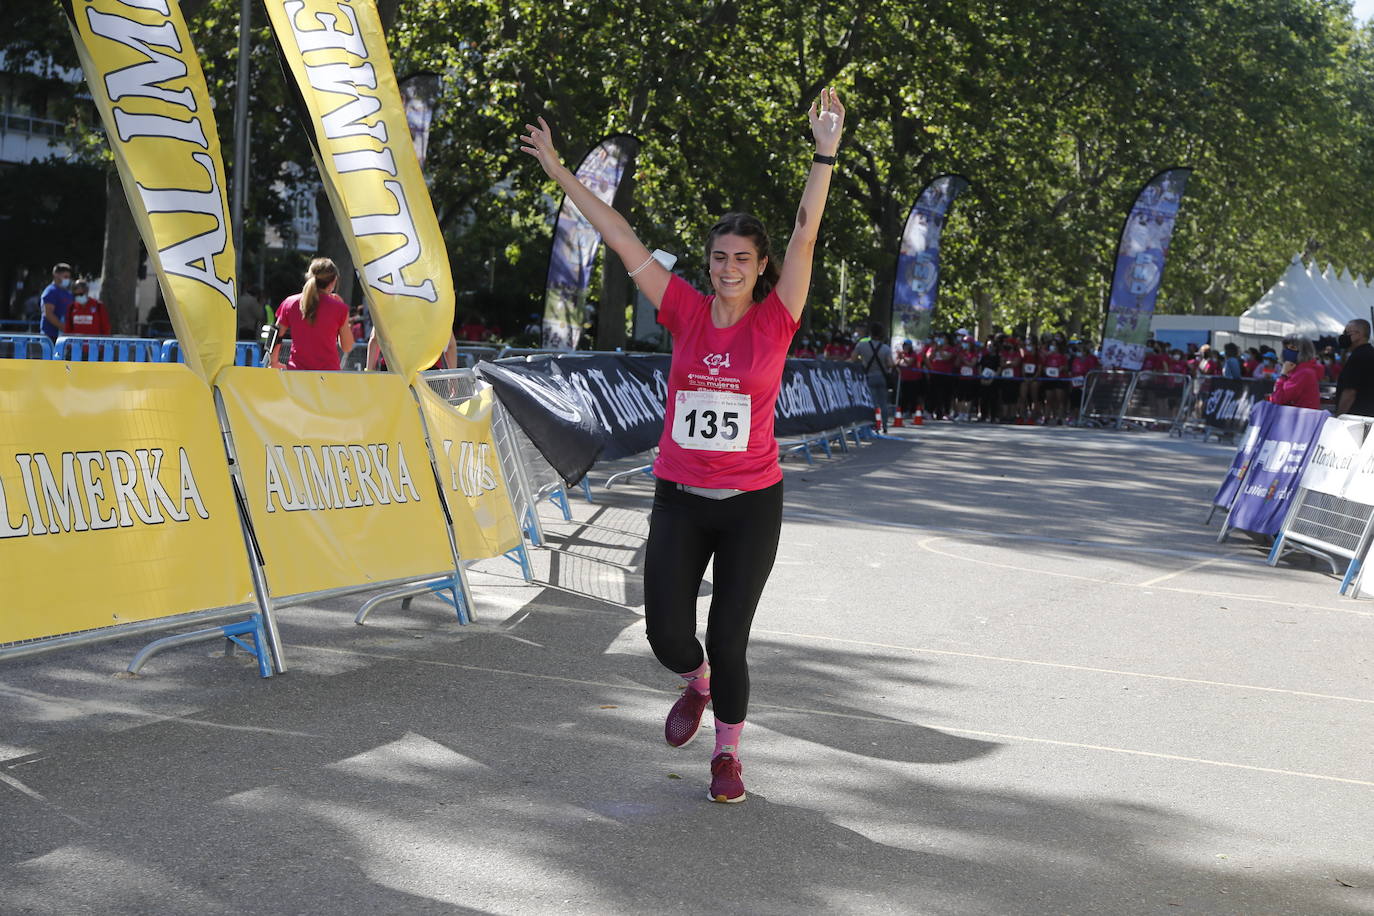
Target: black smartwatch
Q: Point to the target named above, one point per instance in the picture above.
(823, 160)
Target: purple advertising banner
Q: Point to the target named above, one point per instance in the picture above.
(1254, 433)
(1140, 269)
(575, 242)
(918, 260)
(1275, 469)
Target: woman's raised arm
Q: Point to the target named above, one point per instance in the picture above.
(615, 231)
(827, 121)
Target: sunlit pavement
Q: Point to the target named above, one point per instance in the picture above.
(996, 671)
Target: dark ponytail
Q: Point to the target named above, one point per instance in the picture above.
(322, 273)
(750, 227)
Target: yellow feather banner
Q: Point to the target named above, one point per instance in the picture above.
(146, 81)
(335, 57)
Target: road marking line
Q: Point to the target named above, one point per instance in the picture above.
(1234, 596)
(1178, 572)
(847, 715)
(1027, 661)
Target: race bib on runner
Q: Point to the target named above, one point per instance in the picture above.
(1030, 368)
(988, 373)
(1052, 371)
(1078, 382)
(965, 370)
(1008, 373)
(711, 421)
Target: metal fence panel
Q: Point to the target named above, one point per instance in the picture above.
(1105, 395)
(1156, 398)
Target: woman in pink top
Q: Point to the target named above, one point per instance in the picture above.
(317, 321)
(719, 490)
(1300, 383)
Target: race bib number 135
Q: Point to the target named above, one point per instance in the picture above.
(711, 421)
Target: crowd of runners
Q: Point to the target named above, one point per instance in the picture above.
(1031, 379)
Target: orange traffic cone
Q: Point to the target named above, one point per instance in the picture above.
(919, 419)
(898, 421)
(877, 419)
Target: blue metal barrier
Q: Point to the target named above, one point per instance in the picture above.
(20, 346)
(246, 353)
(81, 347)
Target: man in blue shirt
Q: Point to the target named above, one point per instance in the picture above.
(1231, 368)
(56, 299)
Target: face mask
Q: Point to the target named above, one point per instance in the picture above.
(1344, 342)
(66, 282)
(1053, 348)
(966, 345)
(1290, 356)
(81, 300)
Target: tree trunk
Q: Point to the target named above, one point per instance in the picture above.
(616, 288)
(119, 261)
(890, 229)
(983, 301)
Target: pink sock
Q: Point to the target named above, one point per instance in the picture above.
(699, 678)
(727, 738)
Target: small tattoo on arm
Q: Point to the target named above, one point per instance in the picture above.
(801, 216)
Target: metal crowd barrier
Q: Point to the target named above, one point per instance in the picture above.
(1327, 527)
(22, 346)
(93, 348)
(1106, 394)
(1220, 407)
(246, 353)
(473, 355)
(456, 386)
(1155, 399)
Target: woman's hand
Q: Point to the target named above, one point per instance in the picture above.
(827, 121)
(1288, 368)
(538, 142)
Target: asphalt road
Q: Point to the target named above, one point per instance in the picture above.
(996, 671)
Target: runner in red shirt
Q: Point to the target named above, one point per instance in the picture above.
(939, 361)
(911, 380)
(1155, 360)
(966, 389)
(719, 490)
(317, 322)
(1082, 362)
(1028, 396)
(1054, 369)
(1009, 379)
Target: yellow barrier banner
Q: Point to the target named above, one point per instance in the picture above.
(470, 473)
(115, 499)
(146, 81)
(336, 54)
(338, 477)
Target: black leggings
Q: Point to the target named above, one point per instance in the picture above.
(684, 532)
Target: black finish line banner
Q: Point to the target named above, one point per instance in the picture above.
(627, 395)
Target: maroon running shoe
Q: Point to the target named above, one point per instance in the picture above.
(727, 782)
(684, 719)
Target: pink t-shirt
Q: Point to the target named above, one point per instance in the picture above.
(745, 359)
(313, 346)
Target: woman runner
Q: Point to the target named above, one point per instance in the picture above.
(317, 321)
(719, 489)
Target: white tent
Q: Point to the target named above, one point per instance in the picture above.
(1366, 294)
(1302, 303)
(1358, 299)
